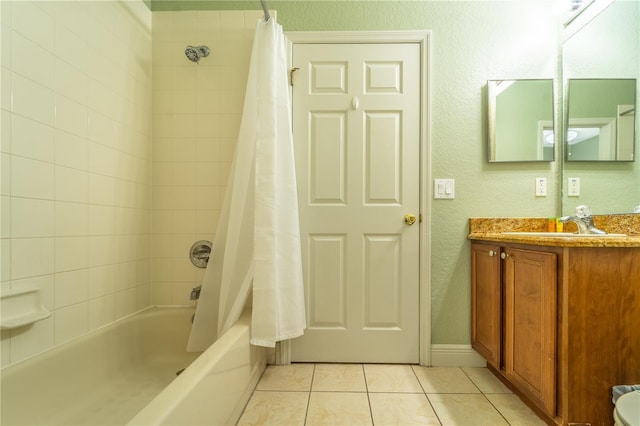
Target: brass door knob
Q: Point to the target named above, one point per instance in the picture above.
(410, 219)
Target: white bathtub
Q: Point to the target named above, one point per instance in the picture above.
(126, 374)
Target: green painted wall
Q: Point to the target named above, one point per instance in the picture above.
(472, 42)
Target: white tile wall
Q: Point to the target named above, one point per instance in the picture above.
(75, 163)
(196, 117)
(80, 192)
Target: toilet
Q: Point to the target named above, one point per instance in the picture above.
(627, 411)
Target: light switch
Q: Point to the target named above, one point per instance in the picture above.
(444, 188)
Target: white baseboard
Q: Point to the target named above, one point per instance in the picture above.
(455, 356)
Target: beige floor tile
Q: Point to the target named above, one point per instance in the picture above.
(465, 410)
(391, 378)
(338, 408)
(514, 410)
(485, 380)
(275, 408)
(404, 409)
(444, 380)
(294, 377)
(339, 377)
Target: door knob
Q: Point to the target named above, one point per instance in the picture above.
(410, 219)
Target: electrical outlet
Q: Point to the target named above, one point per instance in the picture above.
(541, 187)
(573, 187)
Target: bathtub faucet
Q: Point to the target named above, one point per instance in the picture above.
(584, 221)
(195, 293)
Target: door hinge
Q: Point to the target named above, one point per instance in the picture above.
(291, 74)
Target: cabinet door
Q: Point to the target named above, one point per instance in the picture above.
(530, 324)
(486, 297)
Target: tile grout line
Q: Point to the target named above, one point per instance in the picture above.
(366, 388)
(306, 411)
(485, 396)
(425, 394)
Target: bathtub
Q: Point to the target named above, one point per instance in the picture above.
(125, 373)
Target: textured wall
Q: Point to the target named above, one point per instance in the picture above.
(76, 164)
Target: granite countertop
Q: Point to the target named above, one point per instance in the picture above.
(492, 229)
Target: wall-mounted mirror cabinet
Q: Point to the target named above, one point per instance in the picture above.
(520, 114)
(601, 120)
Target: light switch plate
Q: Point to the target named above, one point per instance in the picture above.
(444, 189)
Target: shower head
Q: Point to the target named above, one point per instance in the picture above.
(194, 53)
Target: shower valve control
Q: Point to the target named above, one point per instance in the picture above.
(200, 252)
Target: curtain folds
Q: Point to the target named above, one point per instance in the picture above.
(257, 243)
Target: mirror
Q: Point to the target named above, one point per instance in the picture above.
(606, 47)
(601, 120)
(520, 114)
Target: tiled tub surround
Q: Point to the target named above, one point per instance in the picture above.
(76, 164)
(491, 229)
(109, 376)
(109, 213)
(196, 116)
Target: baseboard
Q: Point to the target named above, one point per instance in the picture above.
(455, 356)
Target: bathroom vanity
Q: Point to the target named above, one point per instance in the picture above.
(556, 317)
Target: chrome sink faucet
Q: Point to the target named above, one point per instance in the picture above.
(584, 221)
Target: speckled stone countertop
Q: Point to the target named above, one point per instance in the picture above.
(491, 229)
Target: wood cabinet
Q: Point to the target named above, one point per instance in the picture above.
(514, 317)
(558, 324)
(486, 309)
(530, 324)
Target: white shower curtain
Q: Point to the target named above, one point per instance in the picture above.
(257, 242)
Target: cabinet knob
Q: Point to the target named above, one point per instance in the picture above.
(504, 256)
(492, 253)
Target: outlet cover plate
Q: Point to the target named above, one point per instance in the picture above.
(573, 187)
(541, 187)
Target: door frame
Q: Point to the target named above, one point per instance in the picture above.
(423, 39)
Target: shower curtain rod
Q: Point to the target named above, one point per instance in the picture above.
(267, 16)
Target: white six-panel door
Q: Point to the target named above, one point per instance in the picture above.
(356, 124)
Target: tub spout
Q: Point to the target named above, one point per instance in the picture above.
(195, 293)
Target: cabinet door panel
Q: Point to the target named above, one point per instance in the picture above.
(486, 307)
(530, 324)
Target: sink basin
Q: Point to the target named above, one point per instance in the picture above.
(563, 234)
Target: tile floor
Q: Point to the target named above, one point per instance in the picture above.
(378, 394)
